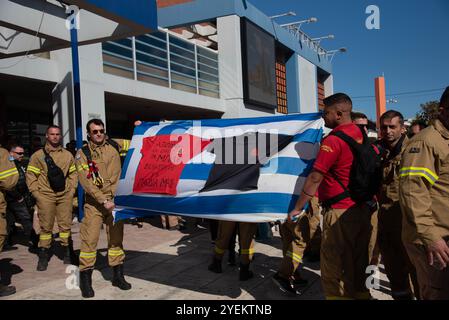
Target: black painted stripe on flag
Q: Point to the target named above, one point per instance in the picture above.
(238, 160)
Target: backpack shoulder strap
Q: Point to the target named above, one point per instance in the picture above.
(86, 151)
(114, 144)
(343, 136)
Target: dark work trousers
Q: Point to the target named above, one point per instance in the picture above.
(213, 228)
(18, 211)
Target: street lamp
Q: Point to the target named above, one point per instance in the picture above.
(318, 40)
(299, 23)
(290, 13)
(332, 53)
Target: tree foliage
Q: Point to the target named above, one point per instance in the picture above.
(429, 111)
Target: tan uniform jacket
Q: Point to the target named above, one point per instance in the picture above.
(107, 161)
(389, 193)
(36, 175)
(424, 186)
(123, 146)
(8, 177)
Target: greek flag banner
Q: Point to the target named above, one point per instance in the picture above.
(248, 170)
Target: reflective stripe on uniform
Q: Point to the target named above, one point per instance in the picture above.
(429, 175)
(45, 236)
(64, 235)
(219, 250)
(88, 255)
(115, 252)
(125, 145)
(34, 169)
(72, 168)
(246, 251)
(8, 173)
(294, 256)
(82, 167)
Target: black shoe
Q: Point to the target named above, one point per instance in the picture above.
(299, 281)
(283, 284)
(86, 283)
(118, 279)
(231, 258)
(215, 266)
(42, 264)
(245, 273)
(6, 290)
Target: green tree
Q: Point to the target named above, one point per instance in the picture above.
(429, 111)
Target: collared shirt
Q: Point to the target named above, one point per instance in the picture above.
(335, 160)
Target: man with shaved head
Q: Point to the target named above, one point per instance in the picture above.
(346, 223)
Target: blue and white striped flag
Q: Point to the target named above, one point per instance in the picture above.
(249, 170)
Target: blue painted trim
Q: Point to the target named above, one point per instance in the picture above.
(205, 10)
(225, 204)
(293, 81)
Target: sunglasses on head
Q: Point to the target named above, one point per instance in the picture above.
(98, 131)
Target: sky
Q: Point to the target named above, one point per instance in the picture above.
(411, 48)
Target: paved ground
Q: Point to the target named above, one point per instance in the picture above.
(160, 264)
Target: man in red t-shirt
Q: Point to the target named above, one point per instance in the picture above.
(346, 224)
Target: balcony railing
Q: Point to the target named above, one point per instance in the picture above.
(164, 59)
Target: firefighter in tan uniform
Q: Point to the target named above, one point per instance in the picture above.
(424, 199)
(398, 266)
(8, 179)
(53, 198)
(99, 176)
(247, 231)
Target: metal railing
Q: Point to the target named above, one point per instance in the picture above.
(165, 59)
(307, 41)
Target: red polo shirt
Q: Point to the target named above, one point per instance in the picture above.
(335, 160)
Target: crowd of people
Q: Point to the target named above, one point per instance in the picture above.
(366, 201)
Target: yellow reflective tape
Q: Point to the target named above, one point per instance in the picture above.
(64, 235)
(247, 251)
(122, 154)
(219, 251)
(115, 253)
(92, 254)
(72, 168)
(82, 167)
(34, 169)
(125, 145)
(420, 169)
(421, 174)
(8, 171)
(45, 236)
(8, 175)
(294, 256)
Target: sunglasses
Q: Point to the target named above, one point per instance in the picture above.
(19, 153)
(98, 131)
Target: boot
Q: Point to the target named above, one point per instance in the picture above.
(67, 255)
(215, 266)
(6, 290)
(42, 264)
(86, 283)
(34, 241)
(118, 279)
(245, 273)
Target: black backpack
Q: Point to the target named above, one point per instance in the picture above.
(366, 171)
(55, 175)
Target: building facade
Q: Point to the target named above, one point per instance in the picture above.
(209, 59)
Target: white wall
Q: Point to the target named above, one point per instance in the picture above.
(308, 99)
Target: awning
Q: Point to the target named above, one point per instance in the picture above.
(33, 26)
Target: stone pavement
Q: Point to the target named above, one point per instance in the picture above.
(160, 264)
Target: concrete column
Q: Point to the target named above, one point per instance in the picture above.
(92, 89)
(230, 65)
(329, 86)
(308, 99)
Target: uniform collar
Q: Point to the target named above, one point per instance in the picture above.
(49, 148)
(94, 146)
(439, 126)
